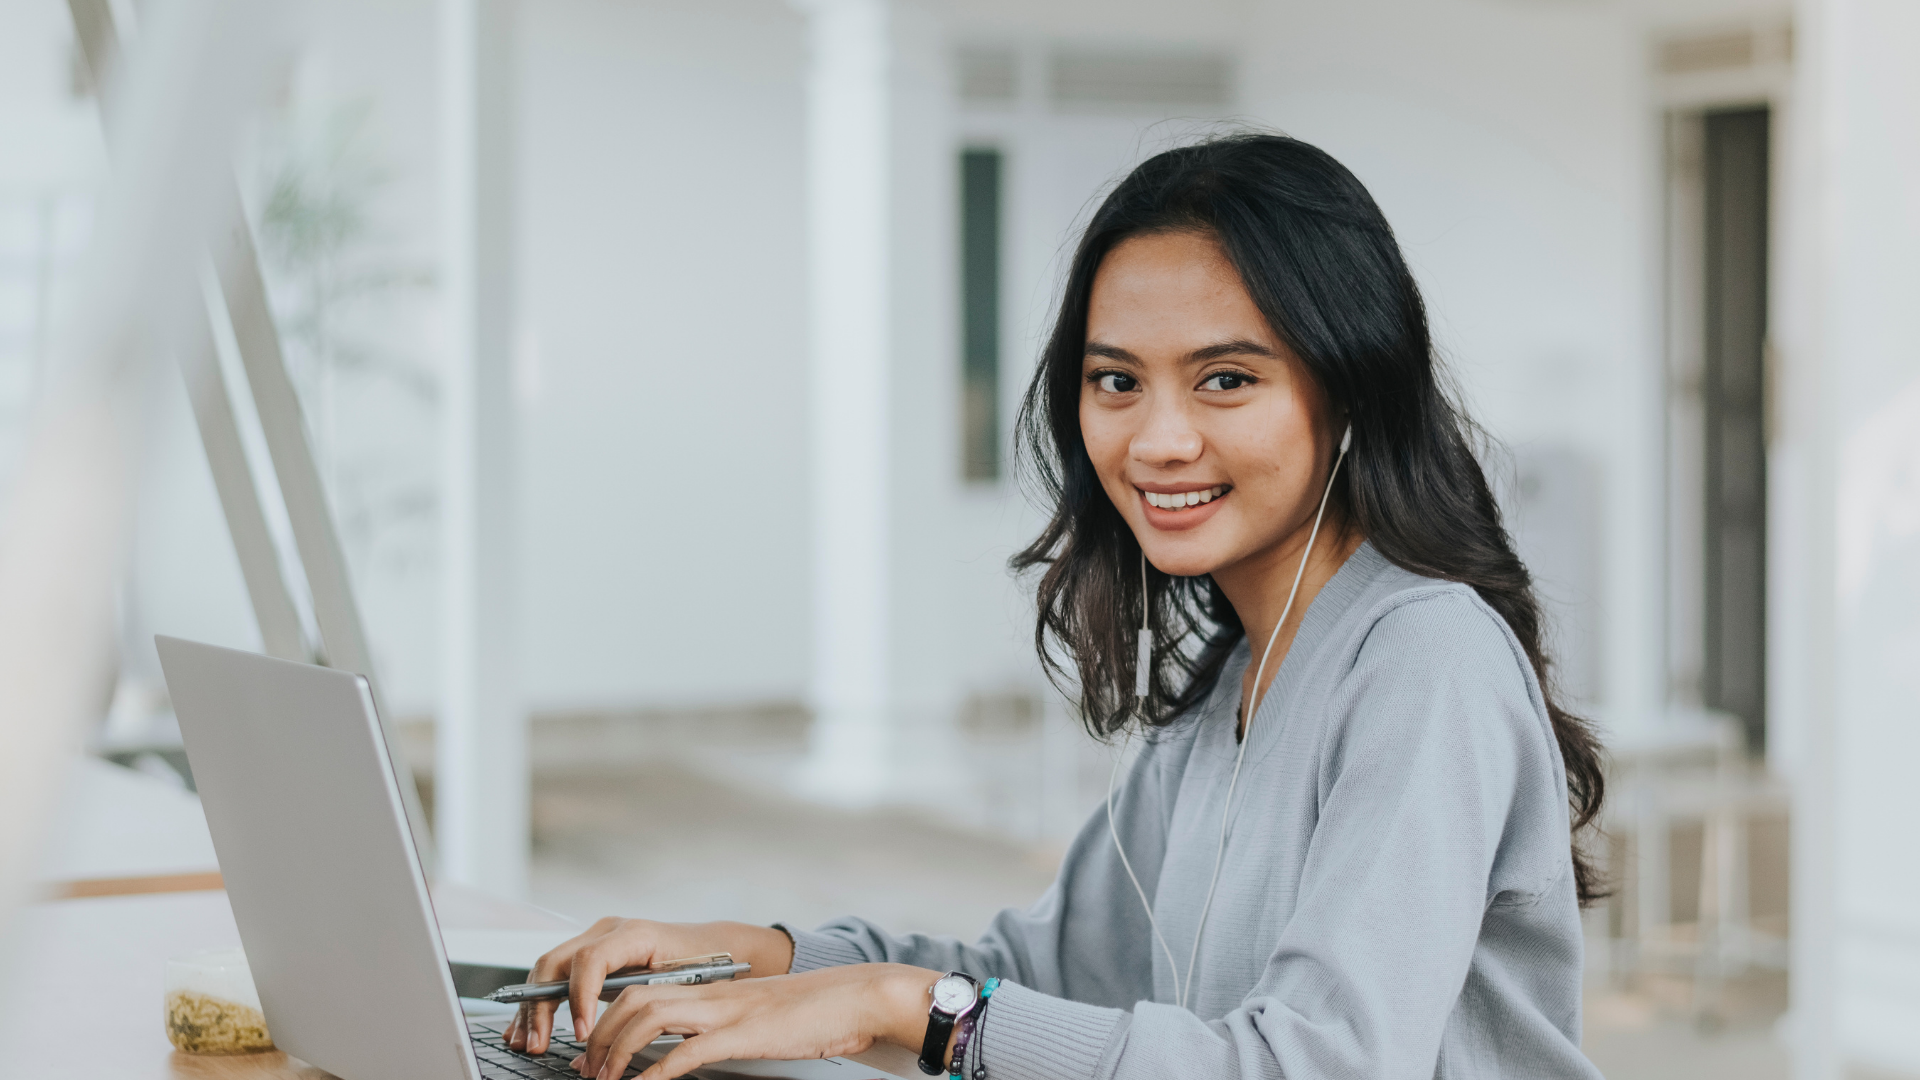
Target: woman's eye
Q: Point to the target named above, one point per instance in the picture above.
(1113, 382)
(1227, 380)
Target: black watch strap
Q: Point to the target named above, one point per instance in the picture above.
(933, 1052)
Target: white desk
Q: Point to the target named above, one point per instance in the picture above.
(99, 970)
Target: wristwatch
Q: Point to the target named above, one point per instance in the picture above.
(954, 996)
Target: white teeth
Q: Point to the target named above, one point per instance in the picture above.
(1183, 499)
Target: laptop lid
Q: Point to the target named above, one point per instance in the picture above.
(320, 868)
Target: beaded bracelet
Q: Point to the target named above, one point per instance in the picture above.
(961, 1037)
(978, 1019)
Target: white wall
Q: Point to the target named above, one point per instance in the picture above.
(666, 471)
(1107, 22)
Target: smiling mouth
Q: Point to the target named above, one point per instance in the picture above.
(1181, 500)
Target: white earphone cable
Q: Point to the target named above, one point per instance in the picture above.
(1152, 923)
(1183, 989)
(1140, 691)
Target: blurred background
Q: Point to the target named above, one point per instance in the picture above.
(658, 361)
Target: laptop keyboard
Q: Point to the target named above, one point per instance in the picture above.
(499, 1062)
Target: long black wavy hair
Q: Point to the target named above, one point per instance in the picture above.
(1319, 260)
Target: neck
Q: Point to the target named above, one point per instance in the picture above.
(1257, 588)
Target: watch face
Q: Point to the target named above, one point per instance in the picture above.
(953, 993)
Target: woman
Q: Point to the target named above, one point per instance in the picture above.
(1240, 425)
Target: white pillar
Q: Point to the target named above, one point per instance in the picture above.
(481, 777)
(849, 234)
(1852, 373)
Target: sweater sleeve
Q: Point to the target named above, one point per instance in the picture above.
(1434, 739)
(1085, 939)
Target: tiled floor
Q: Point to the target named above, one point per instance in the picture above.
(665, 842)
(1649, 1032)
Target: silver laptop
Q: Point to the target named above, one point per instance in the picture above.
(327, 890)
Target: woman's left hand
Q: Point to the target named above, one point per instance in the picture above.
(830, 1012)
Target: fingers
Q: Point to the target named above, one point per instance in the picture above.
(590, 968)
(539, 1026)
(642, 1014)
(520, 1033)
(802, 1016)
(622, 1018)
(533, 1024)
(516, 1034)
(531, 1027)
(584, 960)
(691, 1054)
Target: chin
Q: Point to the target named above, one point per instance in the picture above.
(1184, 563)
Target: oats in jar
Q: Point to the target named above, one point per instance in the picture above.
(201, 1024)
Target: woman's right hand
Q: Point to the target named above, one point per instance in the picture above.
(612, 944)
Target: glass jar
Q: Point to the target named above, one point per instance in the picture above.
(212, 1007)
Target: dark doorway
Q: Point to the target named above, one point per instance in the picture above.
(980, 185)
(1735, 158)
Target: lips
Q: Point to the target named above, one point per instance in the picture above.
(1178, 511)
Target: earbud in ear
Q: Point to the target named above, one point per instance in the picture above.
(1346, 440)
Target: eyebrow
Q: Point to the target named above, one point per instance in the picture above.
(1236, 347)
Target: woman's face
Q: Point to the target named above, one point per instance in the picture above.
(1207, 431)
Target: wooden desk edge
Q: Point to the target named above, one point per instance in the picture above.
(202, 881)
(269, 1066)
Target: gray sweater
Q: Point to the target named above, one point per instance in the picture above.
(1397, 898)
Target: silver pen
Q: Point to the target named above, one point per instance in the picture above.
(703, 969)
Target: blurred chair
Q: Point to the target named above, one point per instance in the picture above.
(1686, 909)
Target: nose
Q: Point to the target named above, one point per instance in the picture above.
(1167, 438)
